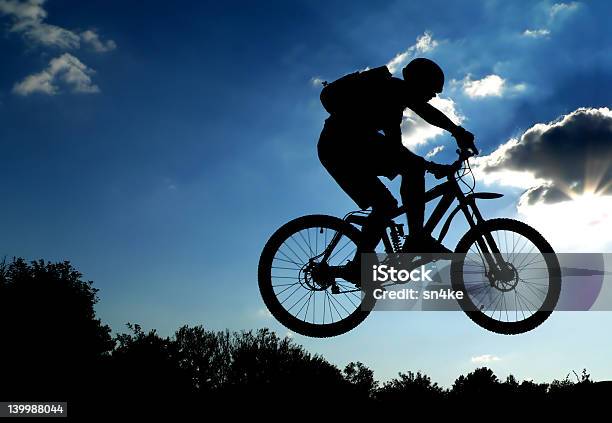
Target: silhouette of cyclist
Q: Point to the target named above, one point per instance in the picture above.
(355, 152)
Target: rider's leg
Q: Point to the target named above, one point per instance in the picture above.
(383, 210)
(355, 169)
(412, 191)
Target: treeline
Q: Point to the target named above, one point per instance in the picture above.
(55, 348)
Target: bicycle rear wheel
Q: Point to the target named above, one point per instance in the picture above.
(293, 282)
(520, 301)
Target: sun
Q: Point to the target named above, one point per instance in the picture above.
(582, 224)
(595, 182)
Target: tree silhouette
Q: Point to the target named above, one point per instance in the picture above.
(206, 356)
(481, 382)
(50, 334)
(361, 380)
(267, 366)
(413, 386)
(55, 349)
(531, 389)
(146, 365)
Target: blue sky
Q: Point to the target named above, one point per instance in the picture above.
(157, 146)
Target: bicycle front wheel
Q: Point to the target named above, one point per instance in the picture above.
(299, 287)
(527, 294)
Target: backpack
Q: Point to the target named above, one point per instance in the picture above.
(353, 91)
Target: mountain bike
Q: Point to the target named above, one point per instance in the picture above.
(302, 280)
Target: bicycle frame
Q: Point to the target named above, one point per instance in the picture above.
(449, 191)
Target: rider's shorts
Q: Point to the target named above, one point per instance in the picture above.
(355, 159)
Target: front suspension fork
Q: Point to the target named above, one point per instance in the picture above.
(487, 245)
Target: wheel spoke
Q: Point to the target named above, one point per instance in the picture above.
(286, 289)
(285, 268)
(290, 259)
(307, 242)
(290, 295)
(343, 247)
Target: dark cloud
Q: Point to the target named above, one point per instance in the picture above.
(573, 153)
(543, 194)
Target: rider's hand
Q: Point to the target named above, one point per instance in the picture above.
(438, 170)
(465, 140)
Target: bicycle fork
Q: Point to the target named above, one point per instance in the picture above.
(487, 246)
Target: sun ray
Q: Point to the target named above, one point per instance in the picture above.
(595, 172)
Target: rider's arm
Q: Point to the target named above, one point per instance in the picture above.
(435, 117)
(465, 139)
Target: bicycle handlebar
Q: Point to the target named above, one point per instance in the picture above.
(463, 156)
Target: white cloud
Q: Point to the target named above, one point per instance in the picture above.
(482, 167)
(559, 8)
(65, 69)
(555, 14)
(29, 19)
(489, 86)
(424, 44)
(434, 151)
(485, 359)
(416, 132)
(23, 10)
(399, 61)
(507, 177)
(536, 33)
(51, 35)
(92, 38)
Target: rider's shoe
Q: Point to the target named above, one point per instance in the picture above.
(424, 244)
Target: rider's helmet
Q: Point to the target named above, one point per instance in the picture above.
(424, 74)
